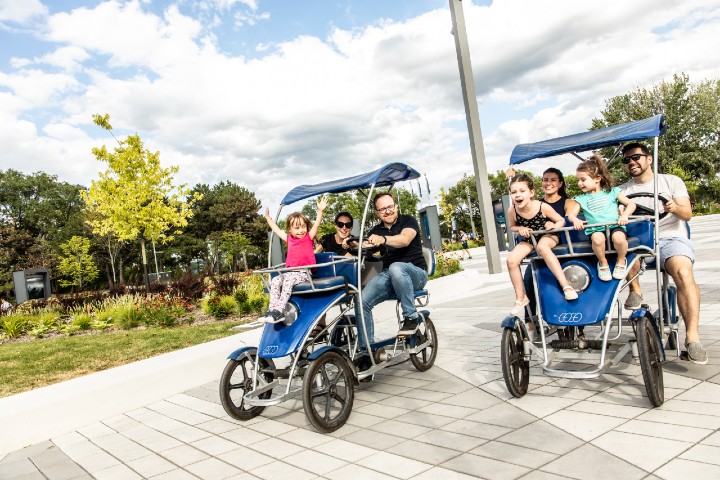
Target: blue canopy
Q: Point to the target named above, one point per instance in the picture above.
(612, 136)
(382, 177)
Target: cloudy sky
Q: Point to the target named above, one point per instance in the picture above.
(274, 93)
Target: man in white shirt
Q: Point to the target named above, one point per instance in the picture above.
(676, 249)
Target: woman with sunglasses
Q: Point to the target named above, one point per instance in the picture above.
(337, 242)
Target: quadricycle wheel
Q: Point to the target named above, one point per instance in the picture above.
(237, 380)
(328, 392)
(424, 359)
(515, 368)
(650, 360)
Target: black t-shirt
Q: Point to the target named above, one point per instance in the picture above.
(329, 244)
(410, 254)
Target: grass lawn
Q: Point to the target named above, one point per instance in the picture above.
(32, 364)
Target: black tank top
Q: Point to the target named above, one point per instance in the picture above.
(558, 206)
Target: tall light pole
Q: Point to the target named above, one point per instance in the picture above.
(482, 183)
(467, 192)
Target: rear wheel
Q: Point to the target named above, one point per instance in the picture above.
(237, 380)
(424, 359)
(650, 360)
(328, 392)
(515, 368)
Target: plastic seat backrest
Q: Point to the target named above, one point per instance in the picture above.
(429, 260)
(326, 271)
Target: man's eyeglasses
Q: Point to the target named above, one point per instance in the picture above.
(384, 210)
(344, 224)
(634, 158)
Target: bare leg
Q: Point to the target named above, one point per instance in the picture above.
(521, 250)
(688, 294)
(544, 249)
(634, 286)
(621, 246)
(598, 247)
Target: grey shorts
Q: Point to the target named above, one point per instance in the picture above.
(674, 246)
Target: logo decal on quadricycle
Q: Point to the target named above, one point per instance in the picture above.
(570, 317)
(270, 349)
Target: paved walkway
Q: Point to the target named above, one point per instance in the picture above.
(161, 418)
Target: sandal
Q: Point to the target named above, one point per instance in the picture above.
(569, 293)
(519, 306)
(619, 271)
(604, 273)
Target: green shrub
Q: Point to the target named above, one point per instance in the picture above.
(220, 307)
(446, 266)
(129, 316)
(240, 295)
(82, 321)
(258, 303)
(44, 323)
(15, 325)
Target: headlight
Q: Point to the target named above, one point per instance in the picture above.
(291, 313)
(577, 276)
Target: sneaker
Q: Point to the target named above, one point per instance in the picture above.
(634, 301)
(273, 316)
(696, 353)
(409, 326)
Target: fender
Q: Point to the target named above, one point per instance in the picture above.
(331, 348)
(641, 312)
(509, 321)
(240, 351)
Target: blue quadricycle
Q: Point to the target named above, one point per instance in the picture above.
(314, 352)
(587, 356)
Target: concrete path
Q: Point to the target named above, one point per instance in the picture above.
(161, 418)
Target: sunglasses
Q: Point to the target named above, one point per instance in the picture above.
(344, 224)
(634, 158)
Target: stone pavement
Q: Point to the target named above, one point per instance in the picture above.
(161, 418)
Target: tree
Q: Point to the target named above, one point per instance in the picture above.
(223, 208)
(237, 246)
(690, 148)
(135, 197)
(77, 263)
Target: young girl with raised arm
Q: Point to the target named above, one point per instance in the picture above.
(529, 214)
(299, 238)
(600, 204)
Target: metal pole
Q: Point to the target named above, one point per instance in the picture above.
(467, 192)
(482, 184)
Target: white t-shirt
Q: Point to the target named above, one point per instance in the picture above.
(669, 186)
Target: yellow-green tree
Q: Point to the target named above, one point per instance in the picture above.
(77, 264)
(135, 197)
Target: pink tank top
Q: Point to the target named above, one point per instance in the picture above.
(299, 251)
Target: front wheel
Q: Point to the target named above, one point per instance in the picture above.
(650, 360)
(515, 368)
(237, 380)
(328, 392)
(425, 358)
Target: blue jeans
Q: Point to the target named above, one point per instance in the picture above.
(401, 279)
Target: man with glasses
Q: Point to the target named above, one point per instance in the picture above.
(676, 249)
(404, 267)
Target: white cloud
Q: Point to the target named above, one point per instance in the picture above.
(340, 102)
(20, 11)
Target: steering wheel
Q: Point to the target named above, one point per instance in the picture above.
(642, 210)
(373, 254)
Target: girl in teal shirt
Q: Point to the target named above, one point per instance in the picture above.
(600, 203)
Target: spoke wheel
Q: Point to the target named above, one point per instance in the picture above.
(425, 358)
(328, 392)
(650, 361)
(237, 380)
(516, 370)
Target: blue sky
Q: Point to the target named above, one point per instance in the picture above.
(272, 93)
